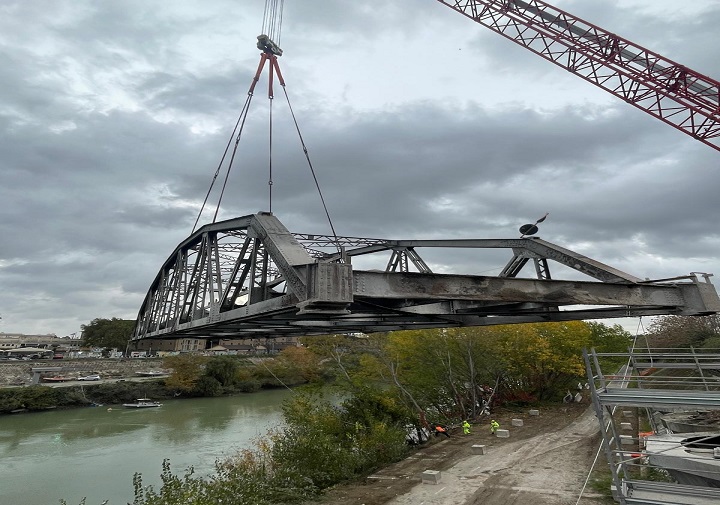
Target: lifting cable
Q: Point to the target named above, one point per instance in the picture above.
(312, 171)
(240, 122)
(268, 43)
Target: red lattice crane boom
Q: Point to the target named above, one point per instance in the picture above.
(673, 93)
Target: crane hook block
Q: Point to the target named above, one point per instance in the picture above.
(266, 45)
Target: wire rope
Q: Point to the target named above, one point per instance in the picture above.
(312, 171)
(272, 19)
(270, 155)
(241, 117)
(271, 26)
(230, 164)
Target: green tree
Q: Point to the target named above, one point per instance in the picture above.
(224, 369)
(186, 371)
(449, 373)
(112, 333)
(542, 359)
(610, 339)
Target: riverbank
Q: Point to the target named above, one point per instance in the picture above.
(545, 461)
(19, 373)
(124, 380)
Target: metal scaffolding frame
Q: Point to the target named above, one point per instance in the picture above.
(659, 381)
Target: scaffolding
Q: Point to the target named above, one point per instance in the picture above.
(651, 460)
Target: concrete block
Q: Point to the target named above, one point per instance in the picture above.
(625, 426)
(430, 477)
(516, 422)
(478, 449)
(534, 412)
(502, 433)
(627, 413)
(626, 440)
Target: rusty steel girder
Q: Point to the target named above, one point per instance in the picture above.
(250, 276)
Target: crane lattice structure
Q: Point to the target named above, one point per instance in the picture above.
(668, 91)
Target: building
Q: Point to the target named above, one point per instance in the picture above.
(11, 341)
(153, 345)
(268, 345)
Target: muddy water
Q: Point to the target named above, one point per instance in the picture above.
(93, 452)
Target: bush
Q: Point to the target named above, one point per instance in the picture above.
(208, 386)
(322, 444)
(30, 398)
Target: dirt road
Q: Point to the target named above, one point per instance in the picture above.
(544, 462)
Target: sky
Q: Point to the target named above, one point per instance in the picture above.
(419, 124)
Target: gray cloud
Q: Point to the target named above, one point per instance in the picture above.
(419, 124)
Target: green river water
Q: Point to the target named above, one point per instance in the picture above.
(93, 452)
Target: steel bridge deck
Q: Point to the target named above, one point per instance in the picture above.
(250, 276)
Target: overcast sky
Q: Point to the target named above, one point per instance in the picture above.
(419, 123)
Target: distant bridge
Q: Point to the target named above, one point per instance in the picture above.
(250, 277)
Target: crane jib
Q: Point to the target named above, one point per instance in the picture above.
(669, 91)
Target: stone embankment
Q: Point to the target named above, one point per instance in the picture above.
(18, 373)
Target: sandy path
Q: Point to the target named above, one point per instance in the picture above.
(546, 469)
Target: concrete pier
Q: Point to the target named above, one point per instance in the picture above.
(430, 477)
(478, 449)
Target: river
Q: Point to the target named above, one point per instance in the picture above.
(93, 452)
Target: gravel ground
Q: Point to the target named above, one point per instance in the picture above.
(544, 462)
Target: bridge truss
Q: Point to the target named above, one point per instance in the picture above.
(250, 276)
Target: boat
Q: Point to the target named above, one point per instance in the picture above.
(57, 378)
(142, 403)
(151, 373)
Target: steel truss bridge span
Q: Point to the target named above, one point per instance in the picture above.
(251, 277)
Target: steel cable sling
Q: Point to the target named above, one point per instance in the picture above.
(270, 50)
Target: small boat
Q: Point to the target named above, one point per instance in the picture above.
(57, 379)
(151, 373)
(142, 403)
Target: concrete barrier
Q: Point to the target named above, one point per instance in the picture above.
(502, 433)
(478, 449)
(516, 422)
(534, 412)
(430, 477)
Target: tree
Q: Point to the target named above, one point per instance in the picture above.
(186, 371)
(112, 333)
(340, 353)
(224, 369)
(299, 363)
(541, 359)
(684, 331)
